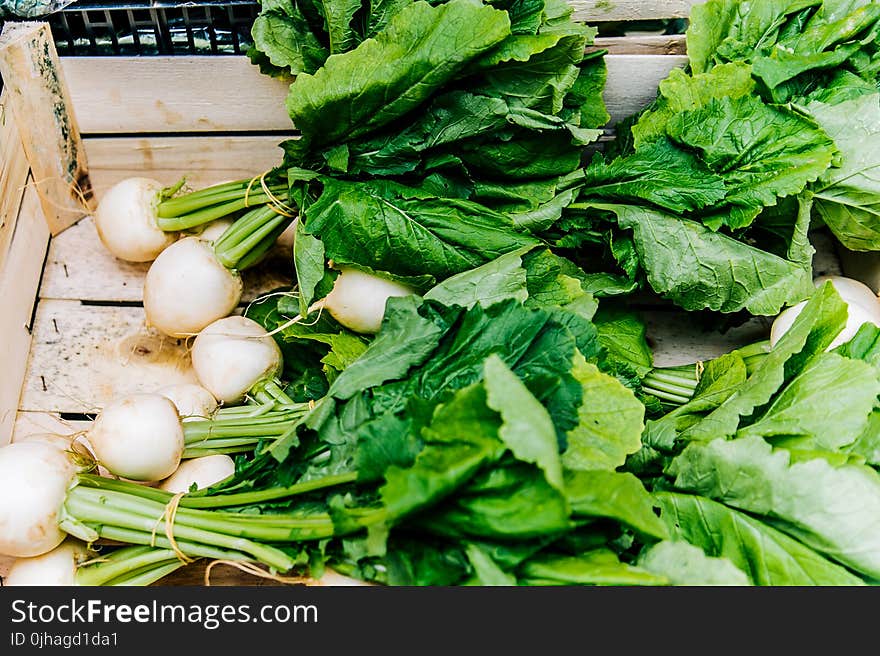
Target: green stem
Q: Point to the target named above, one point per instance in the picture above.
(90, 511)
(248, 234)
(147, 575)
(192, 549)
(271, 494)
(217, 195)
(122, 561)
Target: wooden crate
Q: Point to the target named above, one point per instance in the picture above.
(72, 330)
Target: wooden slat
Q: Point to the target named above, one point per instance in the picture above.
(19, 280)
(676, 339)
(31, 423)
(593, 11)
(174, 94)
(13, 176)
(84, 356)
(203, 160)
(633, 81)
(653, 44)
(80, 268)
(46, 119)
(202, 94)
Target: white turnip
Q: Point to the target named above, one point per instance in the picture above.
(204, 472)
(187, 288)
(126, 220)
(232, 355)
(192, 401)
(138, 437)
(34, 477)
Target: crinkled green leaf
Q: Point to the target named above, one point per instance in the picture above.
(825, 407)
(685, 564)
(610, 422)
(833, 510)
(762, 152)
(701, 269)
(420, 50)
(389, 229)
(847, 196)
(767, 555)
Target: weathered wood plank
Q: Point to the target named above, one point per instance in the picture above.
(19, 281)
(78, 267)
(32, 423)
(13, 176)
(197, 94)
(633, 81)
(84, 356)
(203, 160)
(44, 113)
(593, 11)
(650, 44)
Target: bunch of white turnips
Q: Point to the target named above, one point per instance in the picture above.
(139, 437)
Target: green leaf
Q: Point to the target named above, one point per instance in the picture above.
(685, 564)
(610, 422)
(394, 229)
(308, 261)
(502, 278)
(700, 269)
(623, 336)
(833, 510)
(406, 340)
(461, 439)
(597, 567)
(486, 571)
(730, 30)
(615, 495)
(767, 555)
(282, 33)
(762, 152)
(681, 92)
(825, 407)
(812, 331)
(339, 15)
(658, 173)
(847, 196)
(526, 428)
(384, 78)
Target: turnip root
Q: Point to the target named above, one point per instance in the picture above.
(138, 437)
(34, 477)
(192, 401)
(204, 472)
(214, 230)
(863, 306)
(53, 568)
(126, 220)
(358, 299)
(232, 355)
(186, 288)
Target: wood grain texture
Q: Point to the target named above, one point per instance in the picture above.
(78, 267)
(13, 176)
(19, 282)
(46, 119)
(196, 94)
(84, 356)
(593, 11)
(202, 160)
(649, 44)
